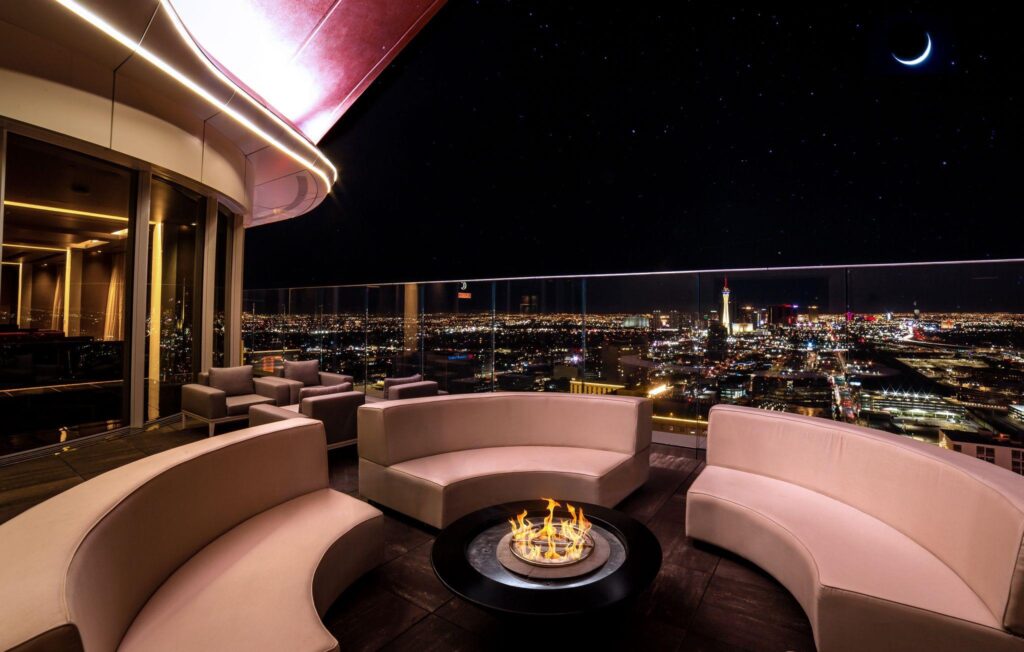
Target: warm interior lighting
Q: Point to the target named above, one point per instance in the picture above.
(549, 544)
(64, 211)
(97, 21)
(120, 233)
(38, 247)
(86, 244)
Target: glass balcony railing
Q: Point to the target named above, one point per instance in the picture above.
(930, 351)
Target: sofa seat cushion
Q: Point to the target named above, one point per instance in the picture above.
(450, 468)
(441, 488)
(238, 405)
(826, 547)
(264, 584)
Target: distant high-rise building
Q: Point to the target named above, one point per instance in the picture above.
(725, 305)
(717, 346)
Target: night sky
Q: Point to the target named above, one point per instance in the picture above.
(530, 138)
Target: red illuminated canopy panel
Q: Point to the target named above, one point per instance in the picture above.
(308, 60)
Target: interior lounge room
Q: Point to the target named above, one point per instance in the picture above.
(413, 324)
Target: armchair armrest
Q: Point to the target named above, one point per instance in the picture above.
(261, 414)
(328, 378)
(275, 388)
(204, 401)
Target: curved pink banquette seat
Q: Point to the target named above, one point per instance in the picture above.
(887, 543)
(442, 457)
(232, 543)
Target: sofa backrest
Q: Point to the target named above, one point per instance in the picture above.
(394, 431)
(968, 513)
(403, 380)
(412, 390)
(336, 411)
(78, 567)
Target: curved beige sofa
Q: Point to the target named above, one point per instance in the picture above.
(233, 543)
(442, 457)
(887, 543)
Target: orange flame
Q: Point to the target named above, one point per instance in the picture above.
(560, 544)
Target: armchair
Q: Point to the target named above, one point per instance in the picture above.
(225, 394)
(337, 411)
(304, 374)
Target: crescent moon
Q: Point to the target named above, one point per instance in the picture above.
(919, 60)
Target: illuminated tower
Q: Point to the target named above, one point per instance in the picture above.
(725, 306)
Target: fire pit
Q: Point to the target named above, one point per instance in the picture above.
(546, 557)
(550, 550)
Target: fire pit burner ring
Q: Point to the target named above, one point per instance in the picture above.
(596, 553)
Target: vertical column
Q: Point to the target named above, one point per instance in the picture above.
(140, 279)
(72, 292)
(233, 300)
(209, 277)
(25, 271)
(3, 179)
(156, 300)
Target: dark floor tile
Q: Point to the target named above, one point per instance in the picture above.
(471, 618)
(159, 440)
(97, 457)
(344, 469)
(26, 484)
(433, 634)
(752, 616)
(736, 568)
(367, 616)
(412, 577)
(401, 536)
(643, 503)
(674, 597)
(694, 642)
(769, 601)
(25, 475)
(685, 485)
(744, 631)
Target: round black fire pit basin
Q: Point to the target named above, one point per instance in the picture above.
(464, 558)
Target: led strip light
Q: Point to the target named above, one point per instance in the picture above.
(186, 36)
(183, 79)
(64, 211)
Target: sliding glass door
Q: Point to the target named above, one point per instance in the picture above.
(66, 237)
(174, 296)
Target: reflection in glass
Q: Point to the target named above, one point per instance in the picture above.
(62, 295)
(176, 217)
(222, 250)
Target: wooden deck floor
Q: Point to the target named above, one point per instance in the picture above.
(703, 598)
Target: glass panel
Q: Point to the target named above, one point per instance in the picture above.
(644, 339)
(936, 355)
(392, 338)
(173, 295)
(62, 295)
(538, 335)
(458, 336)
(223, 250)
(775, 340)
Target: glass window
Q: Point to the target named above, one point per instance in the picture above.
(173, 296)
(66, 238)
(223, 252)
